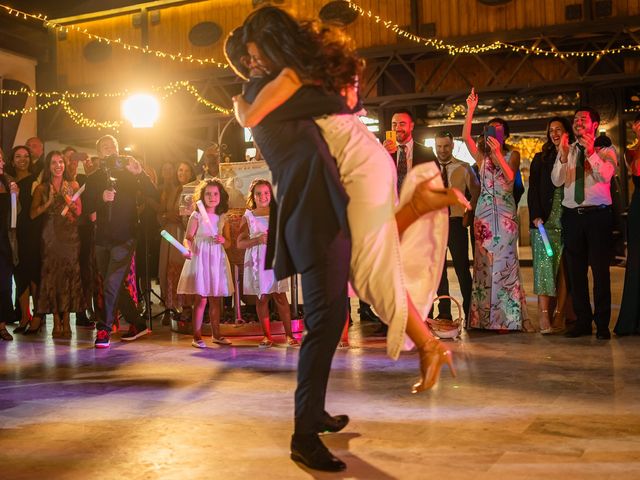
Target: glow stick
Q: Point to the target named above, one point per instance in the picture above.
(545, 240)
(171, 239)
(75, 197)
(14, 209)
(205, 216)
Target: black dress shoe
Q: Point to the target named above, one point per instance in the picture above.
(603, 335)
(311, 452)
(333, 424)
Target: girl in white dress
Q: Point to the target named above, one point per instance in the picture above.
(256, 280)
(206, 272)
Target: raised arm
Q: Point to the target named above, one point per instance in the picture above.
(472, 103)
(274, 94)
(508, 167)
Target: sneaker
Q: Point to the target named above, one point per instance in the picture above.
(134, 333)
(198, 344)
(102, 339)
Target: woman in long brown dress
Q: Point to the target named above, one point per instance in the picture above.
(171, 261)
(60, 290)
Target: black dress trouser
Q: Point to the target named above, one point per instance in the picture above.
(587, 238)
(324, 289)
(458, 244)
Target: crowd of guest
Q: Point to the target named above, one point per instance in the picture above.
(76, 237)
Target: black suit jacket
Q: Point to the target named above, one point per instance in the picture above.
(421, 154)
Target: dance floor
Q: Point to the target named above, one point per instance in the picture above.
(522, 407)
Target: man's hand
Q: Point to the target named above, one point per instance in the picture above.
(587, 140)
(390, 146)
(108, 196)
(134, 166)
(564, 148)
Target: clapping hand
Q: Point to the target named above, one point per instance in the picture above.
(564, 147)
(587, 140)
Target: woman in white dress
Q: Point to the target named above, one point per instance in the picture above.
(206, 272)
(256, 280)
(397, 251)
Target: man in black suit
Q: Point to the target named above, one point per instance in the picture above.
(405, 152)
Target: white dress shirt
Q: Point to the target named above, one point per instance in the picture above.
(597, 178)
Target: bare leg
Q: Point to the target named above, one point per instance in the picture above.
(66, 325)
(214, 316)
(262, 309)
(433, 355)
(544, 318)
(24, 306)
(57, 326)
(196, 318)
(282, 304)
(425, 199)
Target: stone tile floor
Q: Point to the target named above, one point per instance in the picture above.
(522, 407)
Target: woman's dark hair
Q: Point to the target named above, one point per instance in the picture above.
(549, 150)
(10, 166)
(251, 201)
(322, 55)
(192, 175)
(46, 170)
(235, 50)
(223, 206)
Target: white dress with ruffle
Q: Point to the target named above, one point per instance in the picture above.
(256, 280)
(208, 272)
(385, 268)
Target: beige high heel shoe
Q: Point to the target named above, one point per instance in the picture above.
(433, 355)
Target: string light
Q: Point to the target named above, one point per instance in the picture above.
(26, 110)
(179, 57)
(456, 109)
(483, 48)
(62, 98)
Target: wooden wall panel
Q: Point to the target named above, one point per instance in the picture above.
(453, 18)
(75, 71)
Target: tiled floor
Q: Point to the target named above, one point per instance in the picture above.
(522, 407)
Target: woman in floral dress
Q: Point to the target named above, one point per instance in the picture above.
(497, 300)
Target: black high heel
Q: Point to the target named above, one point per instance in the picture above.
(21, 328)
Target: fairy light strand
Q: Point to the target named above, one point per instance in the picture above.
(63, 99)
(483, 48)
(179, 57)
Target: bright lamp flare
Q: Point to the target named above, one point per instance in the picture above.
(142, 110)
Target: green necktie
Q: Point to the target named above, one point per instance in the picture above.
(578, 194)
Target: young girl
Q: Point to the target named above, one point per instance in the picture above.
(257, 280)
(206, 272)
